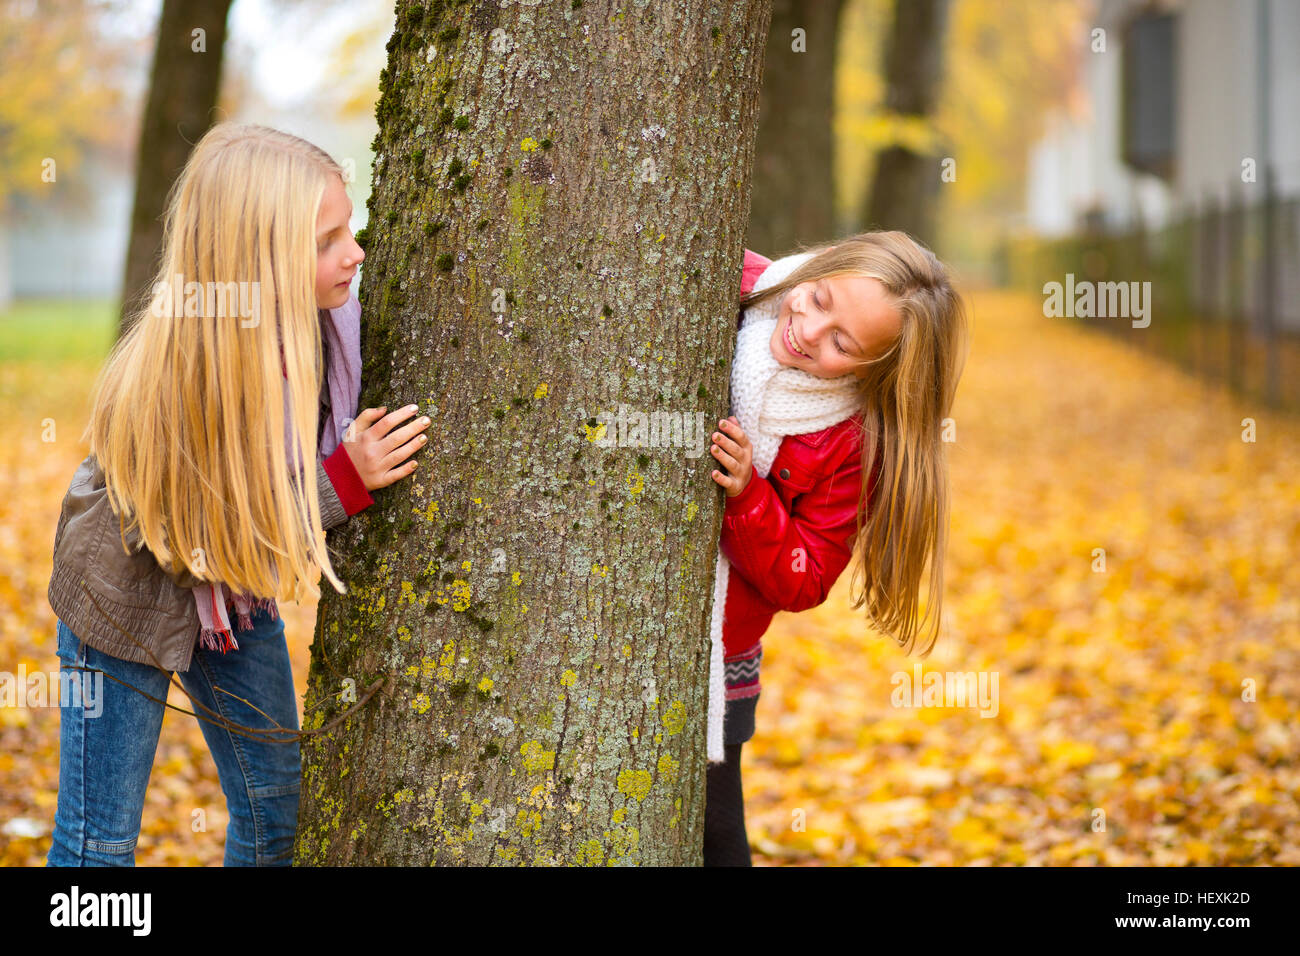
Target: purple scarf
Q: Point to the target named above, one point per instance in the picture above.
(342, 329)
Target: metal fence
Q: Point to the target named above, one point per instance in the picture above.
(1225, 287)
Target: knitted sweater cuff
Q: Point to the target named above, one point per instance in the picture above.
(347, 483)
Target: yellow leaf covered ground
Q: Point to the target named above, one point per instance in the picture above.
(1121, 734)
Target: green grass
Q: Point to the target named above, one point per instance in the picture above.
(57, 330)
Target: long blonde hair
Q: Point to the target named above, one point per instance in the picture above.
(189, 411)
(905, 395)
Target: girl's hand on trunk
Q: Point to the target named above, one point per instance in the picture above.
(379, 449)
(733, 451)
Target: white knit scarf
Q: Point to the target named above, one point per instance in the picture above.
(771, 401)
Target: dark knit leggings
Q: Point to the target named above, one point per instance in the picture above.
(725, 840)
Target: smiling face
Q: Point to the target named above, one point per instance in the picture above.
(337, 253)
(835, 323)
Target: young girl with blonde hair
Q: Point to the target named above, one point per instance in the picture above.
(195, 499)
(846, 366)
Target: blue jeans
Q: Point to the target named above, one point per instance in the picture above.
(105, 757)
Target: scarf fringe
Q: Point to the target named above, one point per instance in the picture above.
(215, 640)
(260, 604)
(222, 639)
(269, 606)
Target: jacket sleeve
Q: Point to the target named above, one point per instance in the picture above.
(346, 483)
(794, 558)
(332, 512)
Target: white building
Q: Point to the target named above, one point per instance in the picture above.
(1211, 84)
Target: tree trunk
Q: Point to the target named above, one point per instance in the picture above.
(182, 94)
(556, 231)
(905, 189)
(794, 195)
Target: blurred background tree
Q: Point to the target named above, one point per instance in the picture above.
(793, 197)
(905, 188)
(1006, 62)
(183, 88)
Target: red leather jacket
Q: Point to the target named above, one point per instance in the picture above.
(787, 535)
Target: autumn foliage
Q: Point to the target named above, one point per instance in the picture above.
(1147, 711)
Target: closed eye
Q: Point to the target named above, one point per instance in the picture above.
(817, 303)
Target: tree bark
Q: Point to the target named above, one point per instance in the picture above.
(904, 192)
(556, 231)
(183, 90)
(794, 196)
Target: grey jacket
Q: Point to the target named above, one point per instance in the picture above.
(154, 606)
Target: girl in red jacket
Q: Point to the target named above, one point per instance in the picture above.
(846, 365)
